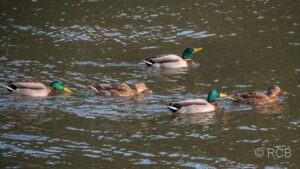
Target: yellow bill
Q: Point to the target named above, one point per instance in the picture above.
(149, 91)
(223, 95)
(67, 90)
(197, 49)
(282, 92)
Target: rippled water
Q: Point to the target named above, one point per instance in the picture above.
(248, 46)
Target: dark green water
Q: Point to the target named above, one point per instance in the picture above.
(248, 46)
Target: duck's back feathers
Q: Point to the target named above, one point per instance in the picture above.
(100, 87)
(255, 98)
(166, 58)
(119, 89)
(26, 85)
(99, 90)
(115, 86)
(193, 102)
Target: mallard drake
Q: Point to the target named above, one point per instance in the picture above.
(35, 89)
(258, 98)
(172, 60)
(198, 105)
(120, 89)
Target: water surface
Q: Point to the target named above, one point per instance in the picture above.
(248, 46)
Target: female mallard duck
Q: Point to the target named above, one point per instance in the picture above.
(198, 105)
(35, 89)
(172, 60)
(258, 98)
(120, 89)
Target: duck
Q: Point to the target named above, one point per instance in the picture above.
(198, 105)
(258, 98)
(120, 89)
(35, 88)
(172, 60)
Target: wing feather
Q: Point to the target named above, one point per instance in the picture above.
(29, 85)
(193, 102)
(166, 58)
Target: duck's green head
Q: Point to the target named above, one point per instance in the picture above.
(189, 52)
(213, 95)
(57, 85)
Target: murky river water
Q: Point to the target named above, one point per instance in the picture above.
(248, 46)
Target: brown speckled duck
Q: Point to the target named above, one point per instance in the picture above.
(120, 89)
(34, 89)
(258, 98)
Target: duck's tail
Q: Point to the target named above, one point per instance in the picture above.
(175, 107)
(10, 87)
(96, 88)
(231, 98)
(149, 62)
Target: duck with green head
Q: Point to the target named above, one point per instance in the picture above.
(198, 105)
(172, 60)
(35, 89)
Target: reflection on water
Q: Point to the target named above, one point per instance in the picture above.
(273, 108)
(249, 45)
(195, 118)
(158, 71)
